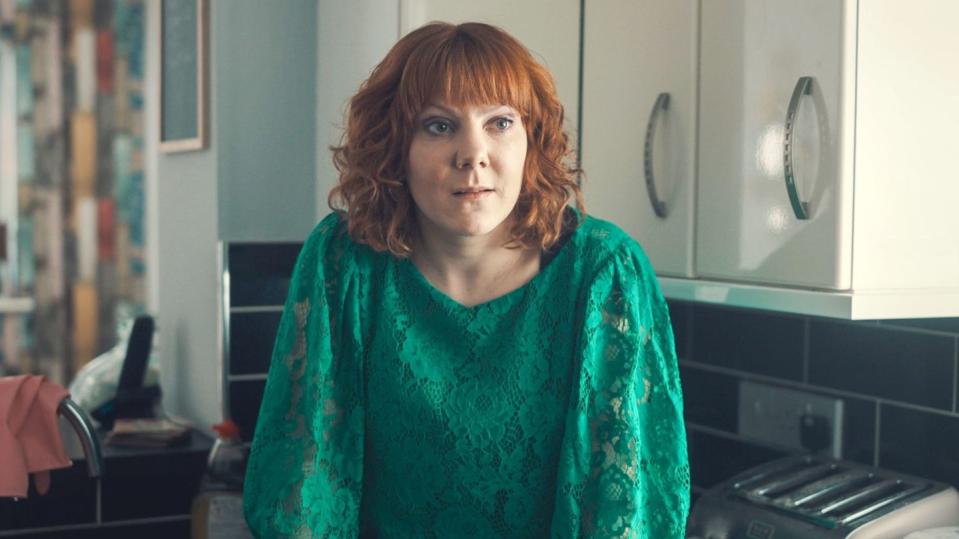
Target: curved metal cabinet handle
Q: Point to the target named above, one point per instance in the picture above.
(88, 437)
(800, 207)
(662, 103)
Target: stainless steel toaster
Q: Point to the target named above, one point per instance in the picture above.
(804, 497)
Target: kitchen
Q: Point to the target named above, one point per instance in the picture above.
(858, 303)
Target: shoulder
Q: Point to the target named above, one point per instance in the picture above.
(620, 276)
(329, 230)
(599, 231)
(328, 248)
(330, 263)
(604, 246)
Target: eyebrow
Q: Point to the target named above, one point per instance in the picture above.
(451, 112)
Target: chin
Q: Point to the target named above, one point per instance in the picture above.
(479, 227)
(467, 224)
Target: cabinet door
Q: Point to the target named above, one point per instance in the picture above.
(639, 123)
(548, 28)
(753, 54)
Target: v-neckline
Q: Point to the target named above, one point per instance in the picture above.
(506, 298)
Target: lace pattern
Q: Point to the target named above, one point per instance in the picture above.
(392, 411)
(303, 479)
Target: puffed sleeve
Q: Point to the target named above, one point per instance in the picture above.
(304, 475)
(624, 470)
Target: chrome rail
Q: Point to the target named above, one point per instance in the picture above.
(83, 426)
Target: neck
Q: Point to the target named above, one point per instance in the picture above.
(464, 265)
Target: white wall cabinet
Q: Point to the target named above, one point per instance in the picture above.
(870, 229)
(868, 145)
(639, 123)
(754, 57)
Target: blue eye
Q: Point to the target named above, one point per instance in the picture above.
(503, 123)
(438, 127)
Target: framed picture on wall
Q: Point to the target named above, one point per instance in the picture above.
(183, 75)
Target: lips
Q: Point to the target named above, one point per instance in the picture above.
(473, 194)
(473, 190)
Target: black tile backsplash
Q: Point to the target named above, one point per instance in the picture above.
(947, 325)
(893, 376)
(859, 430)
(260, 275)
(920, 443)
(749, 340)
(710, 398)
(899, 365)
(251, 341)
(679, 317)
(245, 397)
(260, 272)
(713, 459)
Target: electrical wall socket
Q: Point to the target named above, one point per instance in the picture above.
(772, 414)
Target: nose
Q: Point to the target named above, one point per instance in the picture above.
(472, 151)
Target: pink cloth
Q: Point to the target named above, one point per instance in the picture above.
(30, 441)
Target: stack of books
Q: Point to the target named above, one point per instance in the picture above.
(147, 433)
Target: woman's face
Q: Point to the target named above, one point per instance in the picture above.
(466, 167)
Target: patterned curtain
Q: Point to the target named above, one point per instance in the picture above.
(71, 180)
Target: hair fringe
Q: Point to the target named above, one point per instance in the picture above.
(467, 63)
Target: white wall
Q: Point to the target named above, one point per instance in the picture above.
(352, 37)
(254, 181)
(266, 70)
(186, 225)
(150, 126)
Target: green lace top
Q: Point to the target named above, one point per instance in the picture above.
(391, 410)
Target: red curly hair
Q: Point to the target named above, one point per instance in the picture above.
(470, 63)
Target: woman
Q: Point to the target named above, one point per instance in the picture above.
(462, 355)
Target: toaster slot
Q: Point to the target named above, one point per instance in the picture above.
(820, 492)
(903, 491)
(845, 504)
(791, 482)
(804, 496)
(771, 472)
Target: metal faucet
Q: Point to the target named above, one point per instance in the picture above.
(82, 424)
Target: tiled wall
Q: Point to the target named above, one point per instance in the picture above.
(897, 379)
(259, 276)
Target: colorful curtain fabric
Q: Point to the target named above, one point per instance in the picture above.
(71, 178)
